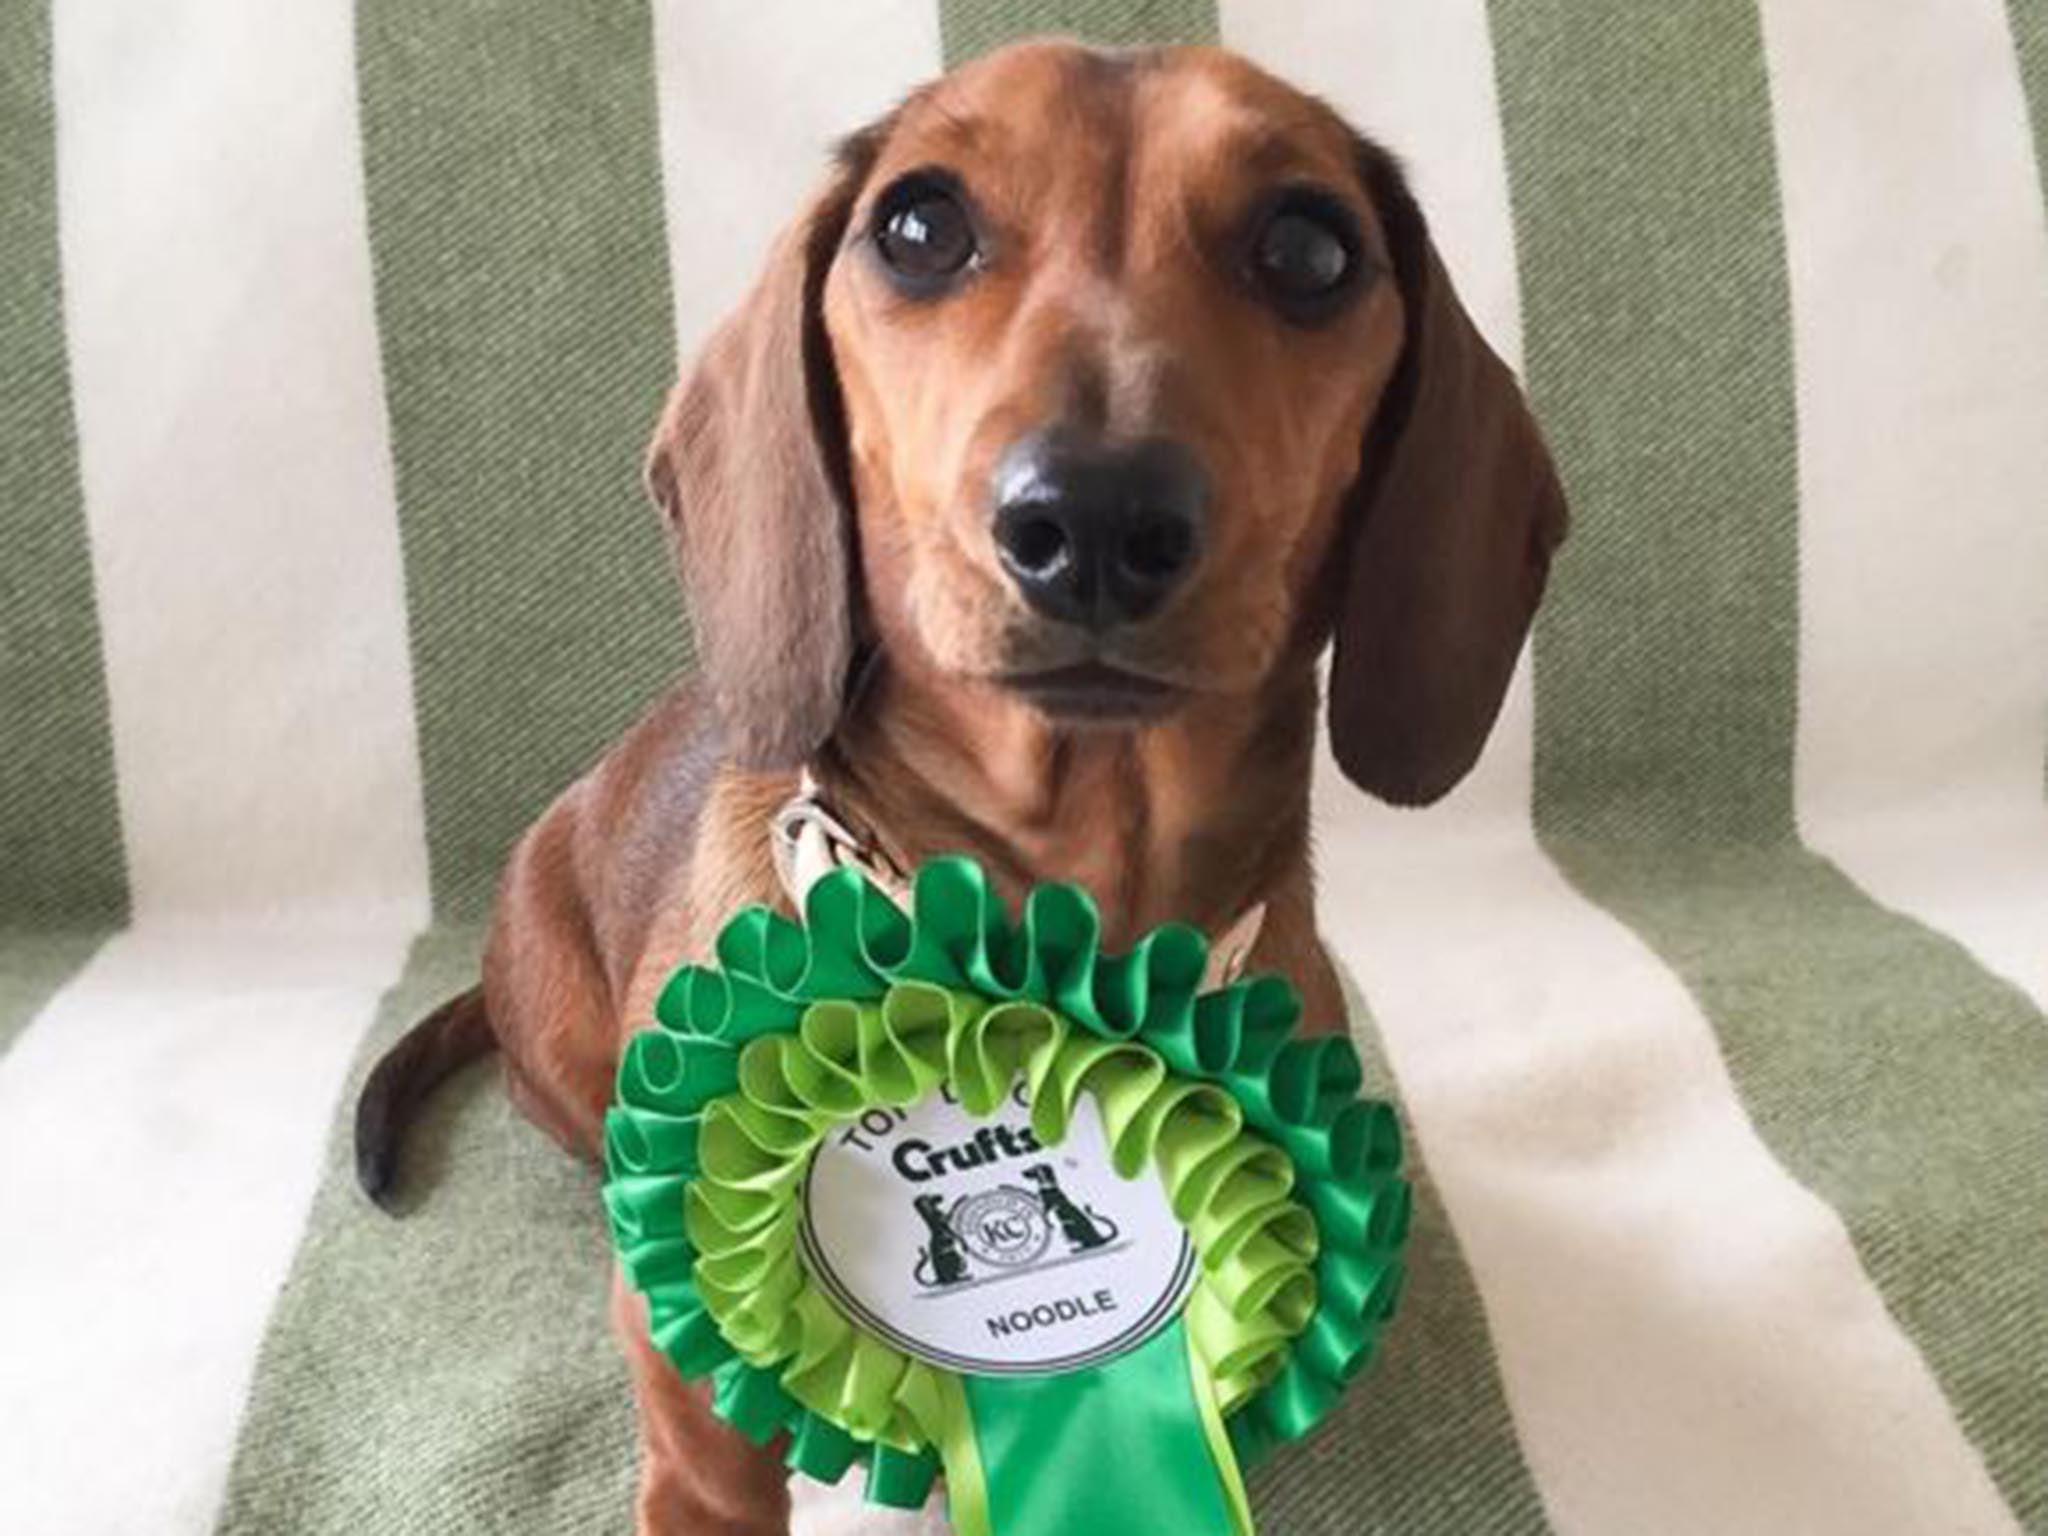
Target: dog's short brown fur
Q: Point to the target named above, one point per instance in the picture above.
(824, 472)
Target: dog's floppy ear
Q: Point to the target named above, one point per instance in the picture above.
(748, 467)
(1455, 516)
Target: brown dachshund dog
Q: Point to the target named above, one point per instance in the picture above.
(1088, 400)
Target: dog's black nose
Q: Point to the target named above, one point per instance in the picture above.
(1098, 535)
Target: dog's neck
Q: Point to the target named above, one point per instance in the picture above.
(1196, 817)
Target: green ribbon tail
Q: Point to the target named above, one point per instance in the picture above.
(1133, 1445)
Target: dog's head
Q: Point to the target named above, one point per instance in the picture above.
(1119, 379)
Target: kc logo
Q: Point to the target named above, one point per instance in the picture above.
(1006, 1229)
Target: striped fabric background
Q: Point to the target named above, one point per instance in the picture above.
(330, 335)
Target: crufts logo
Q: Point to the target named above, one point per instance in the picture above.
(1006, 1229)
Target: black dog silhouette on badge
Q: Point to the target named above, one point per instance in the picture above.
(1083, 1229)
(941, 1263)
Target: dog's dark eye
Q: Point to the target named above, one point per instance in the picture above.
(924, 233)
(1305, 255)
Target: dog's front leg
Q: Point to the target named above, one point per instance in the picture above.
(698, 1477)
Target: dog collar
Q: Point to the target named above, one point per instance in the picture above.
(809, 840)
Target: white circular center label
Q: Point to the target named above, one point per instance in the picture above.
(966, 1243)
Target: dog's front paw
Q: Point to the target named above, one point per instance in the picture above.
(838, 1509)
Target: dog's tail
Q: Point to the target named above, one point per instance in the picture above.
(452, 1036)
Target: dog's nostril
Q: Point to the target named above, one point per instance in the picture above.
(1036, 546)
(1157, 549)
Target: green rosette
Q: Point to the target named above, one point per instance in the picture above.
(1287, 1181)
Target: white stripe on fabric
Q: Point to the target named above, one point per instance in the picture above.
(1919, 270)
(161, 1133)
(235, 458)
(163, 1120)
(1687, 1340)
(732, 179)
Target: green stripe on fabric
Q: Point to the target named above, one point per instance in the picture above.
(1887, 1070)
(451, 1371)
(1423, 1441)
(971, 27)
(34, 963)
(2030, 37)
(516, 227)
(60, 821)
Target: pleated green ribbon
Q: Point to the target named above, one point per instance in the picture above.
(1287, 1182)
